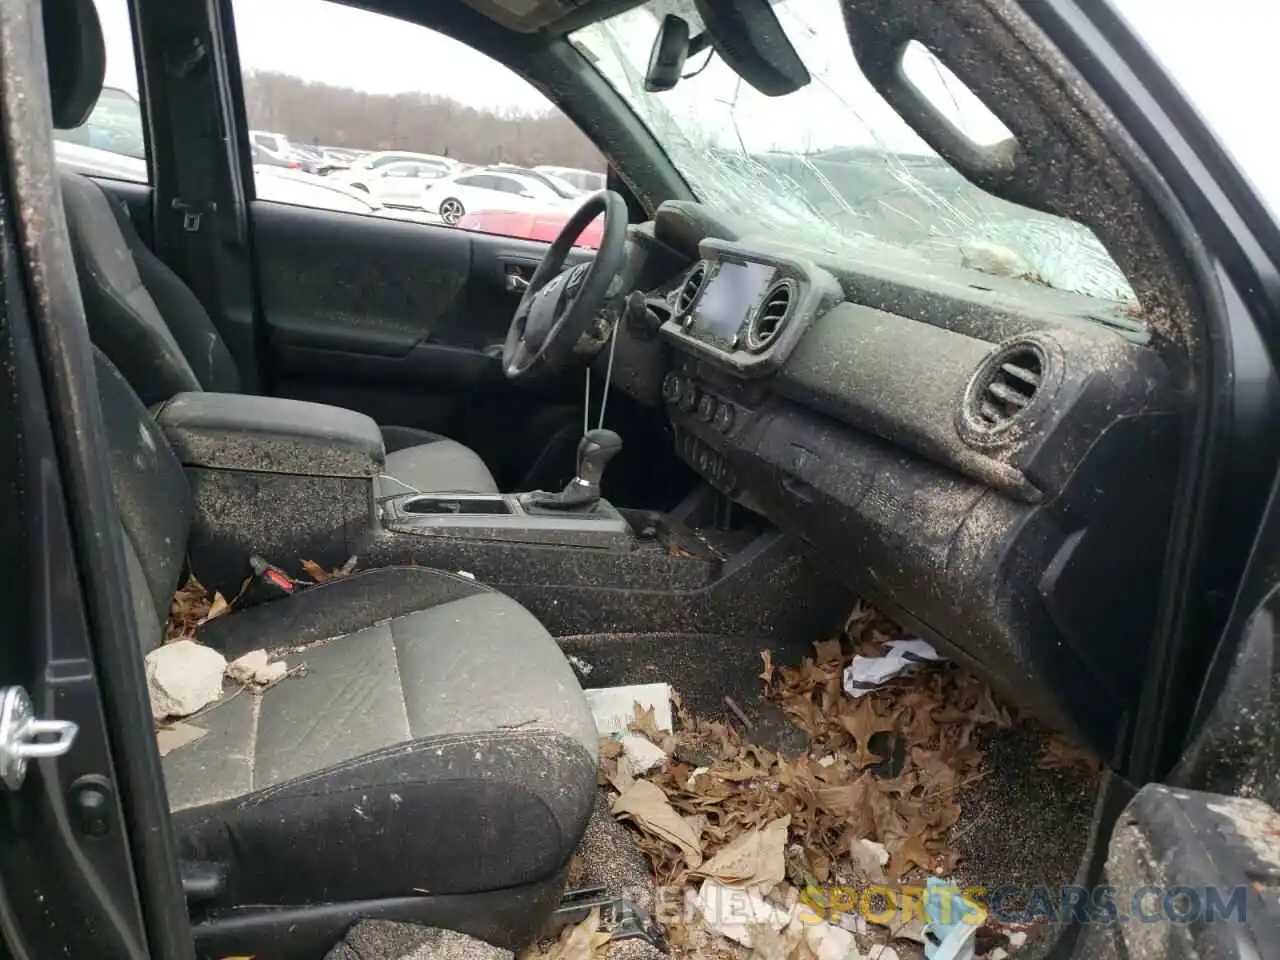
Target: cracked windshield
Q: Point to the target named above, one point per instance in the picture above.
(832, 165)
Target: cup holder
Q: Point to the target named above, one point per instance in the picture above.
(456, 506)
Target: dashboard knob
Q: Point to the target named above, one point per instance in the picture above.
(707, 408)
(723, 418)
(672, 387)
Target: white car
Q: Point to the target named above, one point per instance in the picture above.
(283, 185)
(453, 197)
(276, 144)
(588, 181)
(397, 179)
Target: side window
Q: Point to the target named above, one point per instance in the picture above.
(110, 144)
(370, 108)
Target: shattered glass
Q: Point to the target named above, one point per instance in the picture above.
(832, 166)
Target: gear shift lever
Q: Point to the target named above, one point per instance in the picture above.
(595, 450)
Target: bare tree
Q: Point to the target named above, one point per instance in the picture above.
(319, 113)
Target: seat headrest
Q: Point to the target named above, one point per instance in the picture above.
(77, 59)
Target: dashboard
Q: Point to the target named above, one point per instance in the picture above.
(988, 461)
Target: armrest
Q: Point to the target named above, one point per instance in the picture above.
(228, 431)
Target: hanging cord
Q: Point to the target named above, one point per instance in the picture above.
(608, 378)
(410, 488)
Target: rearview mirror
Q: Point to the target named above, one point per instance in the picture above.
(670, 50)
(747, 36)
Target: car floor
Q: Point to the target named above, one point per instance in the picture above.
(1022, 822)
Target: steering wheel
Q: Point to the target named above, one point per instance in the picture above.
(559, 304)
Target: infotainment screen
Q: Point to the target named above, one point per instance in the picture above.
(728, 299)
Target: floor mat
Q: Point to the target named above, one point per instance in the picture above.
(709, 672)
(386, 940)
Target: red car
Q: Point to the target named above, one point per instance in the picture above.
(542, 225)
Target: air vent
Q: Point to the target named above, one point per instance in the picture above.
(771, 316)
(1006, 386)
(690, 290)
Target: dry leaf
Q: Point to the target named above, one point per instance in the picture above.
(622, 777)
(189, 607)
(767, 674)
(645, 724)
(1060, 753)
(585, 941)
(912, 851)
(316, 572)
(320, 575)
(828, 651)
(646, 806)
(863, 723)
(754, 860)
(216, 609)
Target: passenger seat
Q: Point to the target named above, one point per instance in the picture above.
(141, 314)
(435, 761)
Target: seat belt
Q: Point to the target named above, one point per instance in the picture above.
(196, 142)
(194, 231)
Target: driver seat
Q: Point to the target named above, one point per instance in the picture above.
(145, 319)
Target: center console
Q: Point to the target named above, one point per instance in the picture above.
(280, 478)
(293, 481)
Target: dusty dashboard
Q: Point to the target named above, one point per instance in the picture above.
(998, 483)
(744, 311)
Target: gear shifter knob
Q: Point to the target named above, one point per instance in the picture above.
(595, 450)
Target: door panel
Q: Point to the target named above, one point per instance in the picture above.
(385, 288)
(405, 321)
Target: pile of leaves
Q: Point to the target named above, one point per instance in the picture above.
(923, 727)
(193, 605)
(872, 800)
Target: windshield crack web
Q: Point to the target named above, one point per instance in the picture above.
(832, 167)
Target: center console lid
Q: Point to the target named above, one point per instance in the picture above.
(227, 431)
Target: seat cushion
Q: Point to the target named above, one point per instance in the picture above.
(448, 749)
(442, 466)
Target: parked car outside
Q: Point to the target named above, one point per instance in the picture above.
(373, 161)
(397, 184)
(262, 157)
(275, 143)
(291, 185)
(275, 181)
(115, 125)
(489, 188)
(558, 184)
(541, 225)
(588, 181)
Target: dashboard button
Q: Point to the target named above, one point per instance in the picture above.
(688, 398)
(723, 418)
(707, 408)
(672, 387)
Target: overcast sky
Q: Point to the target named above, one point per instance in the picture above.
(1223, 54)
